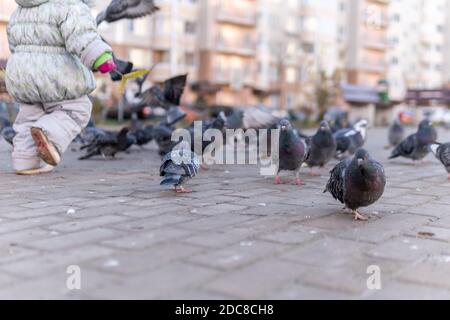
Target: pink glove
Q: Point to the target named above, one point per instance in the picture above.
(107, 66)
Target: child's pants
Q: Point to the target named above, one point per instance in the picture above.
(60, 121)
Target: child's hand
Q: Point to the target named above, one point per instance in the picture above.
(107, 67)
(105, 63)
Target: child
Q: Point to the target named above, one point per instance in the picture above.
(54, 46)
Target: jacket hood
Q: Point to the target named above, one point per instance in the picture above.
(34, 3)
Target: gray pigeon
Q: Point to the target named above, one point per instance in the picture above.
(322, 147)
(351, 139)
(178, 167)
(357, 182)
(396, 133)
(109, 145)
(126, 9)
(417, 145)
(8, 134)
(442, 153)
(167, 97)
(293, 151)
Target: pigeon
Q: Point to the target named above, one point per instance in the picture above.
(351, 139)
(396, 133)
(109, 145)
(178, 167)
(143, 135)
(8, 134)
(442, 153)
(357, 181)
(4, 122)
(218, 123)
(126, 9)
(168, 97)
(417, 145)
(322, 147)
(162, 134)
(293, 151)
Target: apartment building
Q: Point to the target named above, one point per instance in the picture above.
(227, 47)
(366, 41)
(6, 8)
(417, 53)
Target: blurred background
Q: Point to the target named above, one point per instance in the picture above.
(375, 59)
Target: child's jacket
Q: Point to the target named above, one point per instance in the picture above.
(54, 44)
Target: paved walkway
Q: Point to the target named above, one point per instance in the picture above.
(237, 236)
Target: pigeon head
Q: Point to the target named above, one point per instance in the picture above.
(361, 157)
(324, 126)
(221, 121)
(284, 125)
(425, 124)
(361, 126)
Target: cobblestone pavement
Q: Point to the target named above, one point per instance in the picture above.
(237, 236)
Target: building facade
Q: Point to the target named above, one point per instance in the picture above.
(246, 52)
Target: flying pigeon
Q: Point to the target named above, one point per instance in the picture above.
(417, 145)
(322, 147)
(110, 145)
(167, 97)
(357, 182)
(8, 134)
(178, 167)
(442, 153)
(126, 9)
(293, 151)
(396, 133)
(351, 139)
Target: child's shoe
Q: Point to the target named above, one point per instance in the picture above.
(46, 150)
(32, 172)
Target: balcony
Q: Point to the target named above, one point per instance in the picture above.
(371, 65)
(375, 41)
(236, 78)
(242, 47)
(236, 14)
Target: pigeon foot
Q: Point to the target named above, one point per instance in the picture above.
(278, 180)
(359, 216)
(299, 182)
(182, 190)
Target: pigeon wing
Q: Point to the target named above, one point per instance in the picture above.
(174, 88)
(335, 185)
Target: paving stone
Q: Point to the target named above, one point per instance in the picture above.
(135, 239)
(70, 240)
(237, 255)
(257, 280)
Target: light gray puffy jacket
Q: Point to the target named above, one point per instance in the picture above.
(54, 44)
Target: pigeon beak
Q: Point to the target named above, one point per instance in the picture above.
(360, 162)
(283, 128)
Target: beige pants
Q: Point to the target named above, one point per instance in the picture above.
(61, 122)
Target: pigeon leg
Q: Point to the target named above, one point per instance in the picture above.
(181, 189)
(278, 180)
(359, 216)
(204, 167)
(298, 181)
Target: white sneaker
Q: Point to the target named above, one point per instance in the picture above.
(46, 150)
(33, 172)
